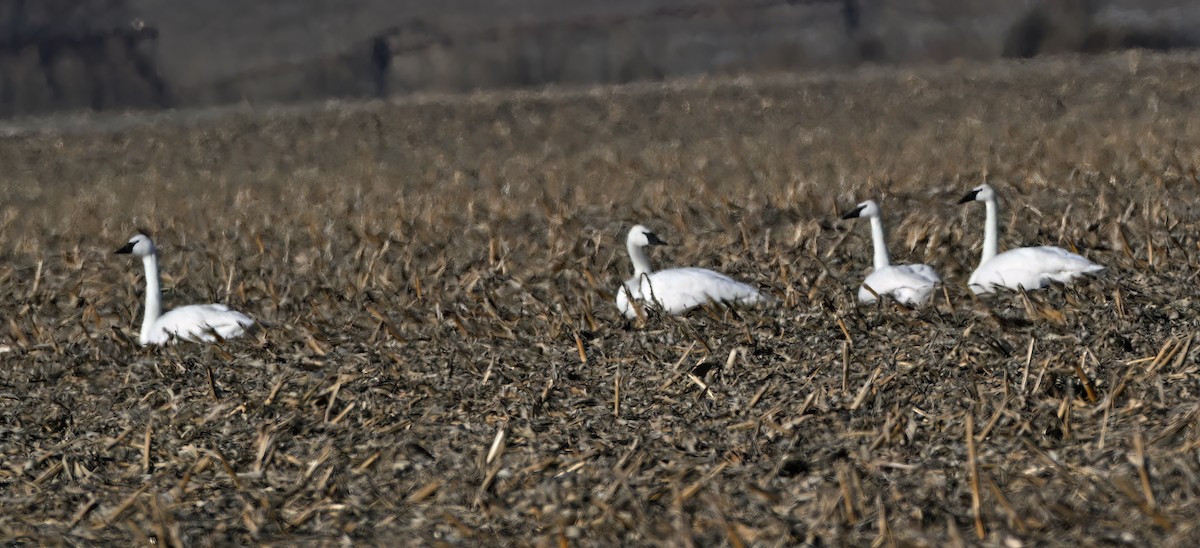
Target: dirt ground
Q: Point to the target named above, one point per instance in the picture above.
(442, 361)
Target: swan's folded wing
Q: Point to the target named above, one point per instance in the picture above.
(909, 284)
(901, 276)
(922, 272)
(1030, 268)
(1057, 259)
(199, 322)
(1049, 260)
(682, 289)
(678, 290)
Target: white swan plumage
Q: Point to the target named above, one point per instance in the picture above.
(196, 323)
(676, 290)
(910, 284)
(1023, 267)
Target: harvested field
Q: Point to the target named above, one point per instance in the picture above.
(443, 362)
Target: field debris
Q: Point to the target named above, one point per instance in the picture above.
(443, 362)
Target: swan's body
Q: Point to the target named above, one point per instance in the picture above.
(676, 290)
(1030, 268)
(910, 284)
(1023, 267)
(197, 322)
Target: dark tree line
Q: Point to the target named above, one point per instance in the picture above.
(65, 54)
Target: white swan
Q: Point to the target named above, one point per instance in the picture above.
(910, 284)
(676, 290)
(197, 322)
(1027, 267)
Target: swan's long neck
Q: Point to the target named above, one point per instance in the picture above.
(881, 254)
(641, 263)
(153, 296)
(991, 244)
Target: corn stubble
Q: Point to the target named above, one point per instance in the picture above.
(443, 362)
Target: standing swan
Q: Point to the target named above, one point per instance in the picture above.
(197, 322)
(1023, 267)
(676, 290)
(910, 284)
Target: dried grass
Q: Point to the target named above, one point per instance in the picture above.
(443, 362)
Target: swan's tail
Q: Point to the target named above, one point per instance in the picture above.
(760, 298)
(1067, 276)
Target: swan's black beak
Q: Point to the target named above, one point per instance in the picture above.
(853, 214)
(125, 250)
(970, 197)
(654, 239)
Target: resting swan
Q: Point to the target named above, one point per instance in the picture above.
(1023, 267)
(676, 290)
(197, 322)
(910, 284)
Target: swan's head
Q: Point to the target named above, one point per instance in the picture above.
(641, 236)
(981, 193)
(866, 209)
(140, 245)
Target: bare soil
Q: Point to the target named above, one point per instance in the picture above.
(442, 361)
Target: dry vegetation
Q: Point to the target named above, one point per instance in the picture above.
(443, 361)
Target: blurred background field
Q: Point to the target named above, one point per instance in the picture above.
(443, 363)
(118, 54)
